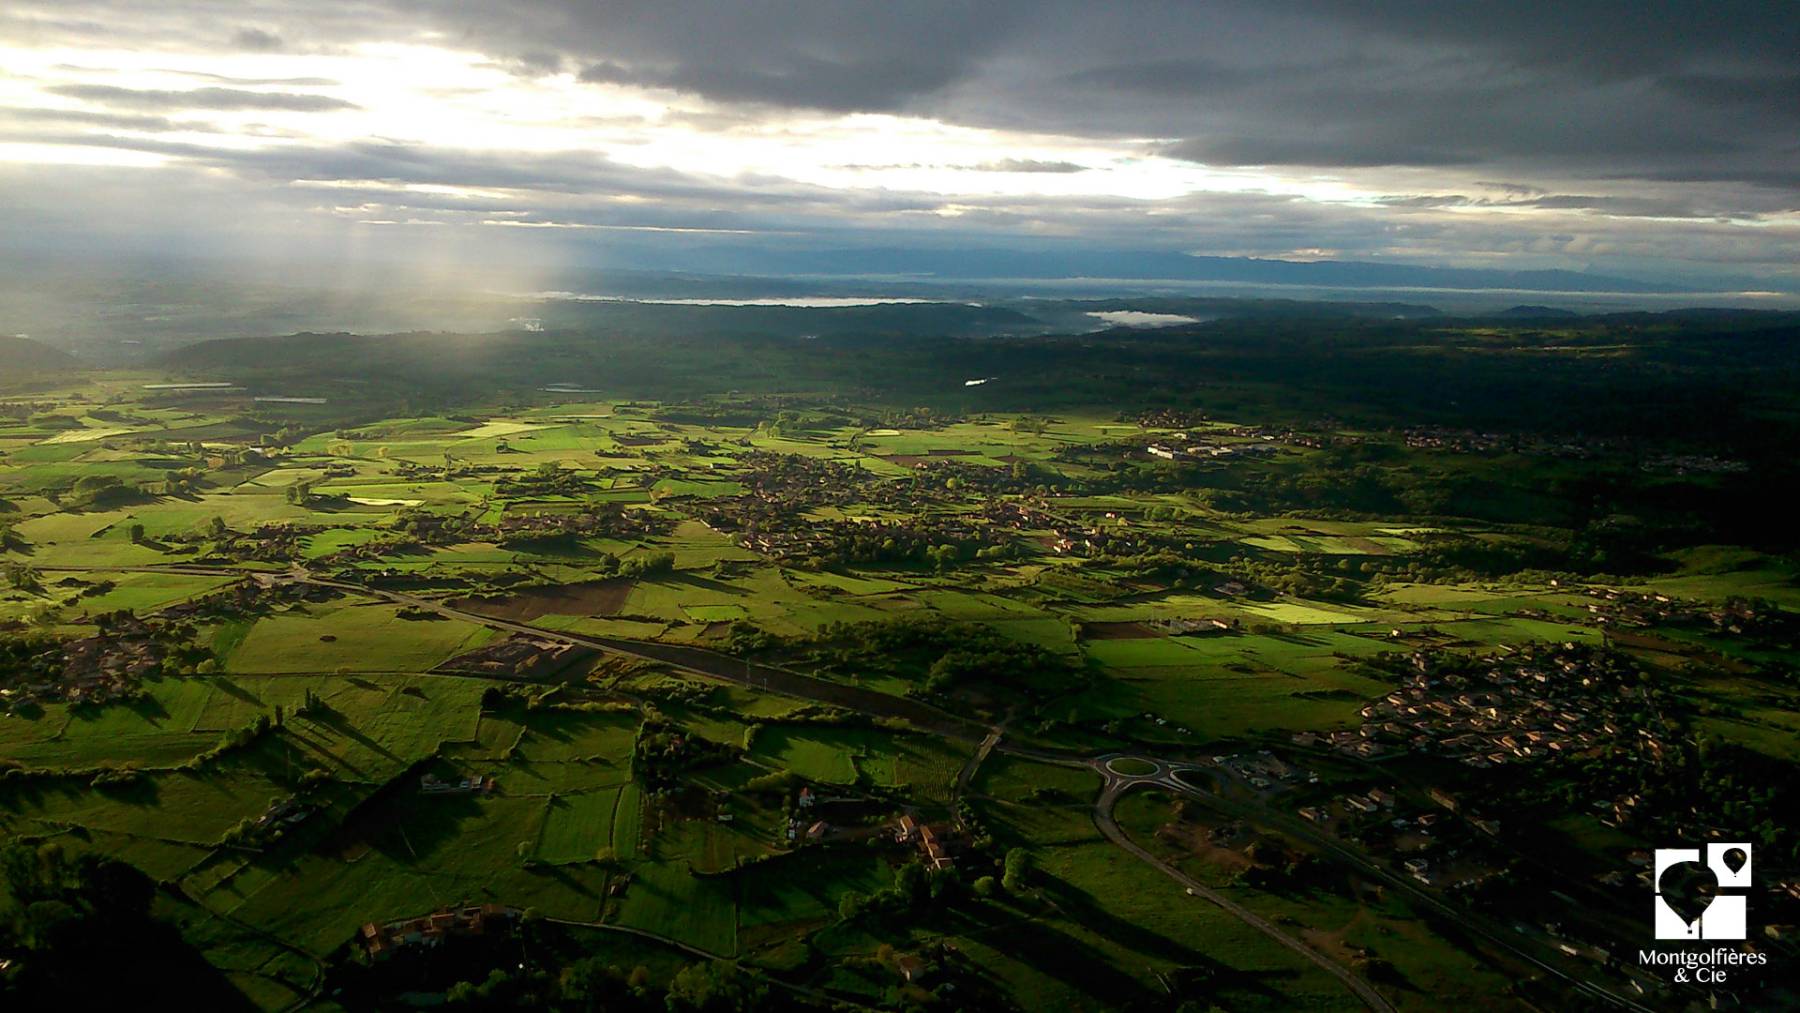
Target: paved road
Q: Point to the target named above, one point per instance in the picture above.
(1463, 918)
(967, 773)
(1162, 775)
(700, 661)
(191, 569)
(1115, 783)
(869, 702)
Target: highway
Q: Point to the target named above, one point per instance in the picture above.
(1163, 776)
(1113, 769)
(769, 678)
(1335, 850)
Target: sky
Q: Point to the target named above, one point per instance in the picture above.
(1646, 139)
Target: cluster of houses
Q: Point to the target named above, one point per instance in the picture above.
(1263, 769)
(1375, 819)
(1372, 801)
(1638, 609)
(262, 593)
(1468, 441)
(519, 523)
(1108, 534)
(1170, 418)
(1176, 449)
(793, 480)
(802, 822)
(1695, 464)
(272, 542)
(771, 516)
(90, 670)
(607, 520)
(859, 540)
(1540, 702)
(1288, 436)
(1092, 537)
(432, 929)
(931, 843)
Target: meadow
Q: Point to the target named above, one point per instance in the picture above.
(1076, 593)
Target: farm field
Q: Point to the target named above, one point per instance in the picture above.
(687, 680)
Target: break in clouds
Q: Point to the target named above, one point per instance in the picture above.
(1650, 139)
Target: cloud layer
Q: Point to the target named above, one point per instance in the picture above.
(1645, 137)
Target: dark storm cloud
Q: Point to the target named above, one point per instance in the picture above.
(820, 54)
(844, 85)
(1617, 130)
(1776, 95)
(199, 98)
(1600, 87)
(1601, 38)
(1655, 89)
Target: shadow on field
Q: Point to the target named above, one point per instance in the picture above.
(1056, 954)
(308, 740)
(694, 580)
(412, 828)
(1085, 909)
(566, 881)
(230, 688)
(149, 708)
(1302, 639)
(330, 719)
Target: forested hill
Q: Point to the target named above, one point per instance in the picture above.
(23, 355)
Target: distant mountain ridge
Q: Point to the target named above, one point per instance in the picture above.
(1534, 313)
(1143, 265)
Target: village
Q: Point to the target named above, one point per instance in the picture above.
(1525, 704)
(95, 670)
(1468, 441)
(1736, 616)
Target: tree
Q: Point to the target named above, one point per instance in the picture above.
(716, 986)
(909, 883)
(1018, 870)
(19, 576)
(136, 531)
(985, 886)
(588, 982)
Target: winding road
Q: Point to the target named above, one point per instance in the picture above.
(1163, 775)
(1114, 769)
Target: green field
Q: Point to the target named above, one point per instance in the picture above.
(710, 650)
